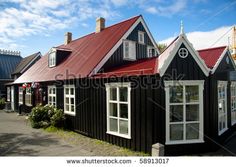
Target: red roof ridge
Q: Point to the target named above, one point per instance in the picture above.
(206, 49)
(121, 22)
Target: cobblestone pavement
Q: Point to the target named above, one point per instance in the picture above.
(17, 138)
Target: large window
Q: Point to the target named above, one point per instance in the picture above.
(69, 99)
(233, 103)
(28, 96)
(222, 107)
(8, 93)
(52, 95)
(118, 109)
(129, 50)
(20, 95)
(184, 111)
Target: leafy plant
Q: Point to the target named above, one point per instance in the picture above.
(44, 116)
(2, 103)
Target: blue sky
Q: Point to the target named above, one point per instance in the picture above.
(37, 25)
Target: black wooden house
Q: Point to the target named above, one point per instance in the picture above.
(115, 86)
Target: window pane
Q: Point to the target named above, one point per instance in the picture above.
(113, 94)
(72, 91)
(176, 132)
(176, 113)
(113, 109)
(67, 91)
(54, 91)
(123, 127)
(192, 94)
(113, 125)
(192, 131)
(50, 99)
(72, 108)
(123, 110)
(67, 100)
(123, 94)
(176, 94)
(54, 99)
(50, 91)
(72, 101)
(192, 112)
(67, 108)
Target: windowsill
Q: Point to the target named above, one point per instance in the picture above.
(128, 59)
(184, 142)
(29, 105)
(69, 113)
(222, 131)
(119, 135)
(141, 43)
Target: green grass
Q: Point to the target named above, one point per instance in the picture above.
(94, 144)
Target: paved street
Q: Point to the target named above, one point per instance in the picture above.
(17, 138)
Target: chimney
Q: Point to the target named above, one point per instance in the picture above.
(68, 38)
(100, 24)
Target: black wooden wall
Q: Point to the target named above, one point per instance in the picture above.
(116, 59)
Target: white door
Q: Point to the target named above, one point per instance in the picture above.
(12, 98)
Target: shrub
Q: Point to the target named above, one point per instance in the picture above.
(44, 116)
(2, 103)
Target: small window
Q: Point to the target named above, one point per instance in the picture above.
(151, 51)
(52, 95)
(118, 109)
(222, 107)
(28, 96)
(8, 93)
(52, 58)
(183, 52)
(69, 100)
(20, 95)
(233, 103)
(129, 50)
(141, 37)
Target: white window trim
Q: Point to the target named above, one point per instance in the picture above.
(8, 93)
(200, 83)
(143, 34)
(115, 85)
(130, 58)
(20, 93)
(220, 132)
(50, 64)
(70, 96)
(148, 48)
(233, 84)
(30, 94)
(53, 95)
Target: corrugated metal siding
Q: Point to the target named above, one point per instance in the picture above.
(8, 64)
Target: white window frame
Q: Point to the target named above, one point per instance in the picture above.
(148, 51)
(53, 88)
(220, 115)
(141, 33)
(29, 94)
(131, 54)
(69, 112)
(20, 100)
(118, 85)
(185, 83)
(233, 102)
(52, 58)
(8, 93)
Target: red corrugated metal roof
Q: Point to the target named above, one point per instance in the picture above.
(140, 67)
(86, 53)
(211, 55)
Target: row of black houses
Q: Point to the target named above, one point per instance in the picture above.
(114, 85)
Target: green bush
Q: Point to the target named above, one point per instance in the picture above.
(2, 103)
(44, 116)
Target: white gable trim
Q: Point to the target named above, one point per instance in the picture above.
(220, 59)
(117, 45)
(38, 55)
(183, 39)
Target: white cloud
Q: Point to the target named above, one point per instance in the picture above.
(207, 39)
(152, 10)
(119, 2)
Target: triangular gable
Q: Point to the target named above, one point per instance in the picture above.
(167, 56)
(110, 53)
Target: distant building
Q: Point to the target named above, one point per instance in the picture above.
(8, 62)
